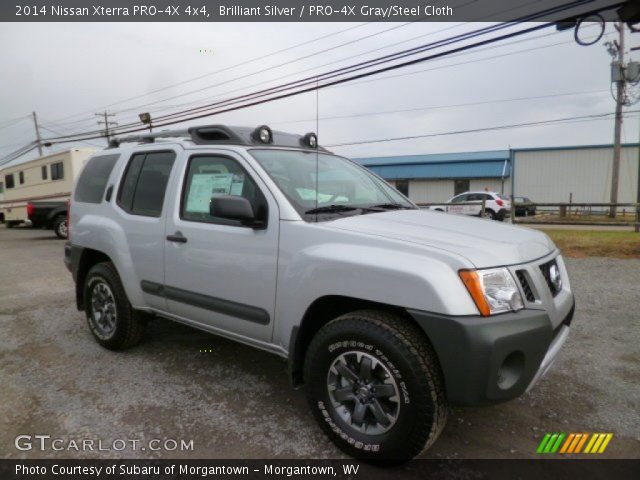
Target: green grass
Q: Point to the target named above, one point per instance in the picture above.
(596, 243)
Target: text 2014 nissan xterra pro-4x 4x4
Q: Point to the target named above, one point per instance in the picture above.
(385, 312)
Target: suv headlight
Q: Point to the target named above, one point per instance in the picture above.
(493, 290)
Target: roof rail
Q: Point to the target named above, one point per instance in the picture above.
(148, 137)
(226, 135)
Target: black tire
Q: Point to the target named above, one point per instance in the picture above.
(401, 351)
(490, 214)
(128, 325)
(60, 227)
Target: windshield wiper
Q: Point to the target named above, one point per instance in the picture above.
(331, 209)
(389, 206)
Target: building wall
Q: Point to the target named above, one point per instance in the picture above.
(427, 191)
(583, 174)
(431, 191)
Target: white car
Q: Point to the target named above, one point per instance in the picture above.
(497, 206)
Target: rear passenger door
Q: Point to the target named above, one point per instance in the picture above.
(141, 206)
(220, 273)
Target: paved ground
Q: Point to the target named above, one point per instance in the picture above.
(235, 402)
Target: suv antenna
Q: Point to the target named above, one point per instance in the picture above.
(318, 136)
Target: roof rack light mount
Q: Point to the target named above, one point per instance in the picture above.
(226, 135)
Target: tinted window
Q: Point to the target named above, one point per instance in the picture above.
(57, 171)
(211, 176)
(145, 182)
(93, 179)
(8, 180)
(44, 172)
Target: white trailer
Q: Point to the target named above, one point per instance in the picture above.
(48, 178)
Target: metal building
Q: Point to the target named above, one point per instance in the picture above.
(548, 174)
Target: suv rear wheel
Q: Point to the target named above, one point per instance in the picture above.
(113, 322)
(375, 387)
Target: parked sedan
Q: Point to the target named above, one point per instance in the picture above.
(524, 207)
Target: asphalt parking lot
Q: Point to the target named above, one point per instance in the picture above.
(236, 402)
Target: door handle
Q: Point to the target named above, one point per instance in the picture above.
(177, 237)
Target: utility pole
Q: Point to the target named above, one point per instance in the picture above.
(620, 100)
(35, 123)
(106, 123)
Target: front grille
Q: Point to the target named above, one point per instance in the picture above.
(551, 274)
(524, 283)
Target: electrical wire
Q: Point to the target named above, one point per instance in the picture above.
(436, 107)
(240, 64)
(482, 129)
(343, 80)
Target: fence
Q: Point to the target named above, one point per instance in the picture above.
(560, 213)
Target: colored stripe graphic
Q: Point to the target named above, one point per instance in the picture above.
(574, 443)
(543, 443)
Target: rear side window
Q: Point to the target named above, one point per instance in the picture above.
(8, 180)
(93, 179)
(144, 183)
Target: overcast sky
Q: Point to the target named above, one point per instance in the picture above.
(67, 72)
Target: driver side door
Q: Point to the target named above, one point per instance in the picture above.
(220, 273)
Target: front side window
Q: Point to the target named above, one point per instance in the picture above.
(144, 184)
(209, 176)
(57, 171)
(313, 180)
(9, 181)
(93, 179)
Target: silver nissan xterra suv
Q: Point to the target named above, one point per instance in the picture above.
(385, 312)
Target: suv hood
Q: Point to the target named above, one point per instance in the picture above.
(484, 243)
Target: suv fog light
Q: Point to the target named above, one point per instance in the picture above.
(493, 290)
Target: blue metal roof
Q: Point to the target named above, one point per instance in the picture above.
(490, 164)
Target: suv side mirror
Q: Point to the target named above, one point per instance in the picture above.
(233, 208)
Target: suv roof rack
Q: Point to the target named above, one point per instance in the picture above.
(226, 135)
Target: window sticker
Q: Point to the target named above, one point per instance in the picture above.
(204, 186)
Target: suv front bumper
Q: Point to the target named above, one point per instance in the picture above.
(487, 360)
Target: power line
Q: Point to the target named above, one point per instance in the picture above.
(482, 129)
(312, 81)
(240, 64)
(455, 105)
(387, 58)
(253, 102)
(13, 121)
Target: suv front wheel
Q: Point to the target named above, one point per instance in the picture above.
(113, 322)
(375, 387)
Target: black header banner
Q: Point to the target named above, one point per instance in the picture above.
(298, 10)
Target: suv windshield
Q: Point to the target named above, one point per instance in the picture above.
(331, 185)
